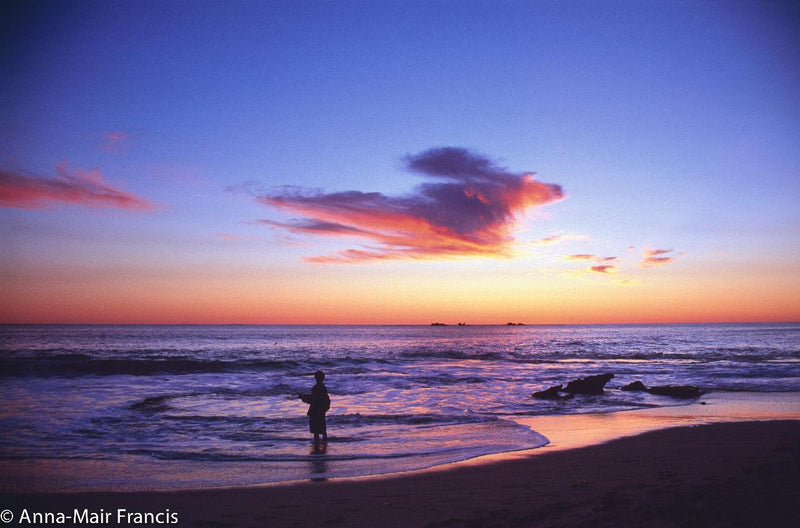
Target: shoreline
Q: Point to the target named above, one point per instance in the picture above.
(711, 408)
(730, 459)
(562, 432)
(723, 474)
(576, 431)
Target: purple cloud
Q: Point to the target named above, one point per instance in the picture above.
(470, 207)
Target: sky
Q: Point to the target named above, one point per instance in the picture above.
(405, 162)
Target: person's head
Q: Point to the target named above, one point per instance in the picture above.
(319, 376)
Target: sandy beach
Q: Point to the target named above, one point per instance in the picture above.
(735, 474)
(699, 473)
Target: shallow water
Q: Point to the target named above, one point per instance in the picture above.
(189, 406)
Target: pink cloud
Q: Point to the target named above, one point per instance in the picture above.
(318, 227)
(599, 270)
(653, 258)
(549, 240)
(580, 256)
(358, 255)
(78, 186)
(610, 266)
(556, 239)
(587, 256)
(115, 141)
(470, 207)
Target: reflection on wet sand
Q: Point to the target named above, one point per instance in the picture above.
(318, 464)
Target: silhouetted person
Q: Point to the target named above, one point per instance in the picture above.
(318, 404)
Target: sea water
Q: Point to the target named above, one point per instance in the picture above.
(153, 407)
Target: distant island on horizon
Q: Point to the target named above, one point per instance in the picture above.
(437, 323)
(465, 324)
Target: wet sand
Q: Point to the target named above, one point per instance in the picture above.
(739, 473)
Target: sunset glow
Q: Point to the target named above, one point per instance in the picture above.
(349, 163)
(472, 213)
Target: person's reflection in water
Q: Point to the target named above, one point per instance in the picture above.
(318, 465)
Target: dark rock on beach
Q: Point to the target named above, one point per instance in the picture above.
(595, 385)
(589, 384)
(553, 393)
(675, 391)
(635, 386)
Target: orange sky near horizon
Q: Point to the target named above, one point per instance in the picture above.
(392, 294)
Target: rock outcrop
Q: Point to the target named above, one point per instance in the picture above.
(674, 391)
(594, 385)
(589, 384)
(553, 393)
(637, 386)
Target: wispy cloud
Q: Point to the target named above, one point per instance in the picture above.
(116, 141)
(70, 186)
(599, 270)
(317, 227)
(654, 257)
(617, 267)
(549, 240)
(587, 256)
(470, 207)
(556, 239)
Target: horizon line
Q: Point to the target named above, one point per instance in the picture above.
(432, 324)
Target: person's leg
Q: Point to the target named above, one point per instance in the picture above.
(316, 438)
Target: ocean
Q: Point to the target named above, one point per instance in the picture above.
(160, 407)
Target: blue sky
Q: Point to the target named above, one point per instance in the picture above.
(668, 125)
